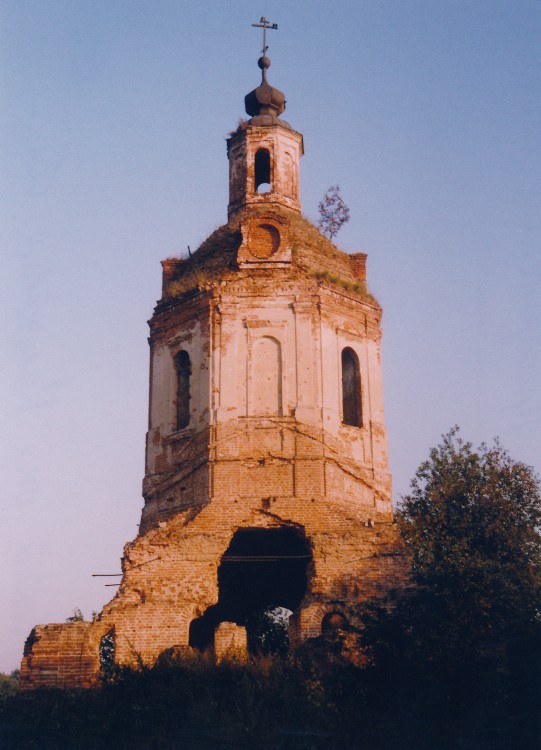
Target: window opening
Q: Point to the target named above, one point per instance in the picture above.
(182, 362)
(107, 654)
(351, 389)
(262, 171)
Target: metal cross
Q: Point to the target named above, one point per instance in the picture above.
(265, 24)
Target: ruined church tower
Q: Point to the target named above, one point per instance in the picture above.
(267, 480)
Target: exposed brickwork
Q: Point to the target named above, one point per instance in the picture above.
(64, 655)
(265, 447)
(230, 641)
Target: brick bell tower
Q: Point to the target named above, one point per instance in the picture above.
(267, 480)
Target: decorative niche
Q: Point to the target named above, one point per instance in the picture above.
(265, 240)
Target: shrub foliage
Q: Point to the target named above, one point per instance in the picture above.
(464, 641)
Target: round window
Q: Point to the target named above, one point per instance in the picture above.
(265, 241)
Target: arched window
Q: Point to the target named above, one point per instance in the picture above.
(351, 389)
(262, 171)
(182, 363)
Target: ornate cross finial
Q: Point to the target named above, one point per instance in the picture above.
(265, 24)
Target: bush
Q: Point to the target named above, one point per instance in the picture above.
(9, 684)
(265, 702)
(459, 654)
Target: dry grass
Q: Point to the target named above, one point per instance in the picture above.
(196, 279)
(358, 287)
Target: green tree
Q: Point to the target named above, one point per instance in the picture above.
(471, 524)
(9, 684)
(462, 646)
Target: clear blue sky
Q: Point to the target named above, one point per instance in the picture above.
(113, 122)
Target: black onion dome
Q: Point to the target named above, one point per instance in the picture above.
(265, 101)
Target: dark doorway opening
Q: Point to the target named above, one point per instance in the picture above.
(267, 631)
(261, 571)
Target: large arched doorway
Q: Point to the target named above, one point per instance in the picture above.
(261, 570)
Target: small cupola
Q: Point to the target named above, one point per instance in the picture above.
(265, 103)
(264, 151)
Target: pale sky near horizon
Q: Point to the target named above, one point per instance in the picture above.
(114, 115)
